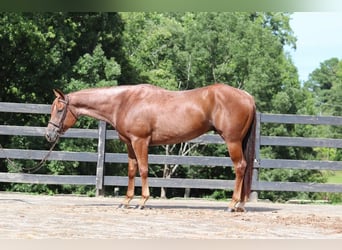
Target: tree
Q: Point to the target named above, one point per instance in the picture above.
(182, 149)
(325, 85)
(39, 50)
(153, 43)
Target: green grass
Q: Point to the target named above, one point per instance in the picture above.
(335, 177)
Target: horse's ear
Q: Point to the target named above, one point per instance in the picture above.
(58, 93)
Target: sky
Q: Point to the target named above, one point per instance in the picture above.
(319, 38)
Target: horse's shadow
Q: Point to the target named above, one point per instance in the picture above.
(169, 206)
(253, 209)
(215, 208)
(6, 200)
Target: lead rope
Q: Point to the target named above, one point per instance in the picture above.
(34, 168)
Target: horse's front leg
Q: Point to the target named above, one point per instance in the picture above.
(140, 147)
(132, 170)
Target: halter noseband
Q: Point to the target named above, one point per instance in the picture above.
(60, 123)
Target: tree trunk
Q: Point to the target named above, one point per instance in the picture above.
(169, 170)
(166, 175)
(187, 193)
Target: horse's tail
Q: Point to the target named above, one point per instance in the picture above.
(249, 154)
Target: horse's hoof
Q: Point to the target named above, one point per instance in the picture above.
(236, 209)
(230, 210)
(241, 210)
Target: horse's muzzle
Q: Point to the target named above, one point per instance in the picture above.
(51, 135)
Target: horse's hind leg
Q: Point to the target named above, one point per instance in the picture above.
(236, 154)
(132, 170)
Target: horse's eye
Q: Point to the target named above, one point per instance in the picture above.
(60, 108)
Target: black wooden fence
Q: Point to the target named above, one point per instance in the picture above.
(102, 157)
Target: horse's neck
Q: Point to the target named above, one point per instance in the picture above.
(97, 103)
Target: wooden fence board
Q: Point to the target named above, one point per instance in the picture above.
(113, 157)
(40, 131)
(173, 182)
(91, 133)
(25, 108)
(20, 130)
(171, 159)
(300, 142)
(301, 119)
(115, 181)
(55, 155)
(301, 164)
(48, 179)
(297, 187)
(174, 159)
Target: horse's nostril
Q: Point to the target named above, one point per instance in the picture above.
(49, 136)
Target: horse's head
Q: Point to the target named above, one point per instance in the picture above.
(62, 118)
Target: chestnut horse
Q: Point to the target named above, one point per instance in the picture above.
(146, 115)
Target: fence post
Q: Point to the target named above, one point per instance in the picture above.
(257, 156)
(100, 172)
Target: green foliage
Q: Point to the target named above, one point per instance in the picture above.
(325, 84)
(195, 49)
(69, 51)
(325, 87)
(32, 188)
(95, 70)
(335, 198)
(221, 195)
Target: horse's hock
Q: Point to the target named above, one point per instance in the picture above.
(68, 217)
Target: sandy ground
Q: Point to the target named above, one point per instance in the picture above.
(26, 216)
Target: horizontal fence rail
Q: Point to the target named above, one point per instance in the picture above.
(101, 157)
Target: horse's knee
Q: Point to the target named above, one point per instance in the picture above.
(132, 170)
(131, 174)
(143, 173)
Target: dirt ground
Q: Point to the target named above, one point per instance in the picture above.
(26, 216)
